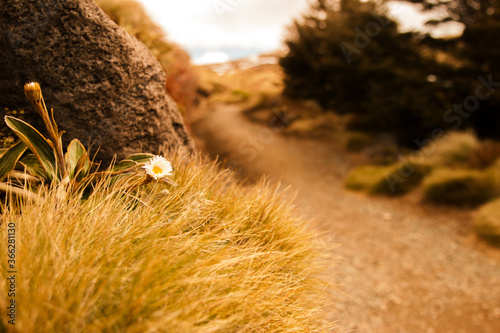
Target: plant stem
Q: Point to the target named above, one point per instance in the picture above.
(56, 137)
(40, 107)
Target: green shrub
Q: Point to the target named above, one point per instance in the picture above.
(487, 222)
(468, 188)
(391, 180)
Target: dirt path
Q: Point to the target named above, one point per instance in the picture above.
(404, 267)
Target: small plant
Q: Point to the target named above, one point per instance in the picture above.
(47, 163)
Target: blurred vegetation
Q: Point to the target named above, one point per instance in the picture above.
(252, 88)
(487, 222)
(457, 169)
(351, 58)
(393, 180)
(455, 149)
(182, 80)
(465, 188)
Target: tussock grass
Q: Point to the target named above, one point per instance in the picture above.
(209, 256)
(461, 150)
(454, 149)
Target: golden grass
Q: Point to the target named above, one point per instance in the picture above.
(209, 256)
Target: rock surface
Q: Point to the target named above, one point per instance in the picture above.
(106, 88)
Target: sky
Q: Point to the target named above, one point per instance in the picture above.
(212, 30)
(220, 30)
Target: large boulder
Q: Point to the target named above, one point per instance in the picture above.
(106, 87)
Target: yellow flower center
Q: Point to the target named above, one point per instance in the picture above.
(157, 170)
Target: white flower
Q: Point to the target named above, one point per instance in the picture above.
(158, 167)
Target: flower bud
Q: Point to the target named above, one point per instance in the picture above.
(33, 92)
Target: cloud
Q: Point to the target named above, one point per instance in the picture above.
(244, 24)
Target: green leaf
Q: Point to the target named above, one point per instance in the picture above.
(140, 158)
(37, 143)
(131, 162)
(33, 166)
(76, 152)
(9, 159)
(124, 165)
(3, 151)
(82, 167)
